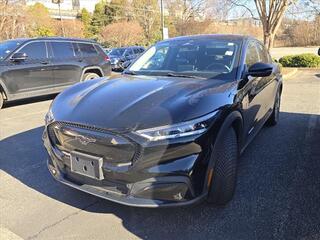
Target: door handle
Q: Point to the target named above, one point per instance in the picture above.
(44, 63)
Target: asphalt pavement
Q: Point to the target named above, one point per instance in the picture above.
(277, 195)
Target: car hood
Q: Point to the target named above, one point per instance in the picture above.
(137, 102)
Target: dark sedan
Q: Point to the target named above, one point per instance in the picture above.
(118, 56)
(169, 131)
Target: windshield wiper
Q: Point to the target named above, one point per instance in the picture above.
(183, 75)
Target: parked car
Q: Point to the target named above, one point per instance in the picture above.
(34, 67)
(120, 55)
(170, 129)
(107, 50)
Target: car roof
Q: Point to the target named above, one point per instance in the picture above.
(58, 38)
(234, 37)
(127, 47)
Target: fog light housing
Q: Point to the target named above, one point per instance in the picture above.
(163, 191)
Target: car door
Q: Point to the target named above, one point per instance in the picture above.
(67, 63)
(32, 74)
(269, 84)
(254, 103)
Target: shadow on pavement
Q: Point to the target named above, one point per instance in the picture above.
(29, 100)
(277, 195)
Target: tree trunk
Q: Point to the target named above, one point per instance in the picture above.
(268, 39)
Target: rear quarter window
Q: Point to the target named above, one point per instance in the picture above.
(87, 49)
(62, 50)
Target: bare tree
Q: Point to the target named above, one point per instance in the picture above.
(271, 13)
(12, 19)
(271, 16)
(122, 34)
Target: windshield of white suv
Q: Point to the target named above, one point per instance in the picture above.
(205, 58)
(8, 47)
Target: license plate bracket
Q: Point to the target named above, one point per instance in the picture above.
(86, 165)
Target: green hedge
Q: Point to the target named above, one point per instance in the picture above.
(302, 60)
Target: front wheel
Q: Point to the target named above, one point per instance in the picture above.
(225, 157)
(274, 118)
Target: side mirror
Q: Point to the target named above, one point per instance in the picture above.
(19, 56)
(126, 64)
(260, 70)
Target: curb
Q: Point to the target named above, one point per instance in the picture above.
(290, 74)
(7, 234)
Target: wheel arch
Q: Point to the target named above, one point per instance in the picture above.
(3, 90)
(280, 88)
(233, 119)
(95, 69)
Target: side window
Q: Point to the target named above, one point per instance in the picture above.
(128, 52)
(252, 56)
(77, 51)
(62, 49)
(136, 50)
(35, 50)
(87, 49)
(262, 53)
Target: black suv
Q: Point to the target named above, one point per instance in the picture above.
(125, 54)
(170, 129)
(34, 67)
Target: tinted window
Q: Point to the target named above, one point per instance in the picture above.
(87, 49)
(262, 53)
(117, 52)
(212, 58)
(35, 50)
(62, 49)
(128, 52)
(7, 47)
(77, 51)
(252, 56)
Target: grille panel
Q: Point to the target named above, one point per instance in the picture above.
(113, 147)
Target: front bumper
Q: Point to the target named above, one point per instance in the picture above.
(128, 200)
(170, 183)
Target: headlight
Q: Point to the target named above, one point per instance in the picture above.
(189, 128)
(114, 60)
(49, 117)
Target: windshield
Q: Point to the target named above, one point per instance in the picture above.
(209, 58)
(8, 47)
(117, 52)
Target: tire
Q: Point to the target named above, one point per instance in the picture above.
(1, 100)
(274, 118)
(225, 157)
(89, 76)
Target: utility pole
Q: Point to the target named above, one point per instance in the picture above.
(61, 22)
(162, 18)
